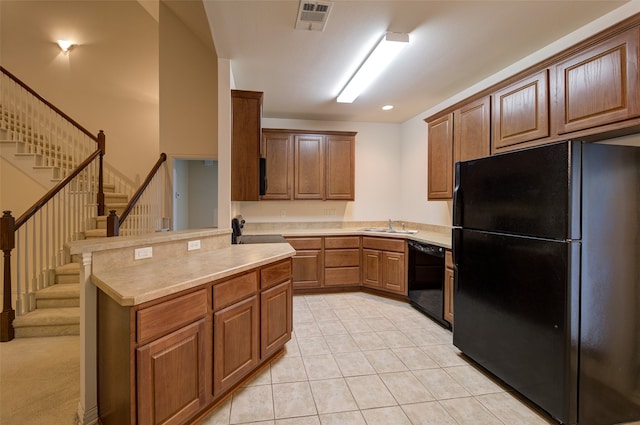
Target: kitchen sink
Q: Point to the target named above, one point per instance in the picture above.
(387, 230)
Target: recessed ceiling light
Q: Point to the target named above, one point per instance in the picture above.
(387, 107)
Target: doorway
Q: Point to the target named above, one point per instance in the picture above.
(195, 193)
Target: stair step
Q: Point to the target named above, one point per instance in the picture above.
(101, 222)
(68, 273)
(119, 207)
(95, 233)
(116, 198)
(48, 322)
(58, 296)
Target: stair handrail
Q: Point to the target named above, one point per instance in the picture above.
(49, 104)
(99, 139)
(113, 221)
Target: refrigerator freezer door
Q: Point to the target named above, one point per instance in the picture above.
(512, 306)
(534, 192)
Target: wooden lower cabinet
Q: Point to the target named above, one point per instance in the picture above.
(171, 373)
(342, 261)
(384, 264)
(276, 323)
(448, 287)
(236, 340)
(371, 268)
(394, 276)
(169, 360)
(308, 263)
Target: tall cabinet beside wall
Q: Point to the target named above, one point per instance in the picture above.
(246, 132)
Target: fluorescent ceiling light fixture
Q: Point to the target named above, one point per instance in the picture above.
(380, 57)
(65, 45)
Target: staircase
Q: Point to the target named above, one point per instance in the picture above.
(57, 307)
(66, 161)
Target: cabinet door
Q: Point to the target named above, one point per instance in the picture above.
(307, 268)
(440, 158)
(599, 85)
(521, 112)
(236, 342)
(309, 166)
(448, 295)
(276, 324)
(339, 168)
(172, 375)
(448, 287)
(371, 268)
(246, 133)
(277, 149)
(472, 130)
(394, 273)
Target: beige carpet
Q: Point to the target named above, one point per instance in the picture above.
(39, 380)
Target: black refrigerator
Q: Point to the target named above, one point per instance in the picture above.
(546, 246)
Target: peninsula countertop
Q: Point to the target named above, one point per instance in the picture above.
(136, 284)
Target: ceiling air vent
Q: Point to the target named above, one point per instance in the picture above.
(313, 15)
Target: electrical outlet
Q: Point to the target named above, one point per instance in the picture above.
(141, 253)
(193, 245)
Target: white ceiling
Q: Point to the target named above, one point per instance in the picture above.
(454, 44)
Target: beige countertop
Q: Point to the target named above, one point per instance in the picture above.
(439, 237)
(136, 284)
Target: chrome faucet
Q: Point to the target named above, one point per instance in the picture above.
(390, 225)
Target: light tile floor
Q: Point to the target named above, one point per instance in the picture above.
(364, 360)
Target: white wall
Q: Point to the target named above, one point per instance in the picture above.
(377, 178)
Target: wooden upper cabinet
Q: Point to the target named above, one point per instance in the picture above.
(472, 130)
(246, 133)
(521, 112)
(340, 170)
(309, 166)
(277, 149)
(599, 85)
(440, 158)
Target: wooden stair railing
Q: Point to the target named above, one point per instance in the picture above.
(10, 226)
(113, 221)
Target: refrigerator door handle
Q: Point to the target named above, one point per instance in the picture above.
(456, 245)
(457, 198)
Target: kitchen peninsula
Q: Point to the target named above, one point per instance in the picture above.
(182, 319)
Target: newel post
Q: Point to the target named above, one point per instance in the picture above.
(113, 224)
(101, 146)
(7, 243)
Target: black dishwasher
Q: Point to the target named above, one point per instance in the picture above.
(426, 280)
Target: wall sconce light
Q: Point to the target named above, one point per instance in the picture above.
(65, 45)
(380, 57)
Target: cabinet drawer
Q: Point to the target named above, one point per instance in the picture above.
(305, 243)
(274, 274)
(161, 318)
(448, 259)
(342, 276)
(235, 289)
(342, 258)
(341, 242)
(383, 244)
